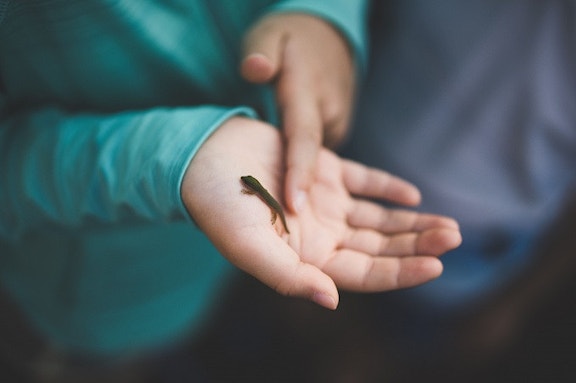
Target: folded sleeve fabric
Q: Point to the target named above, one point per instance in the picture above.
(67, 169)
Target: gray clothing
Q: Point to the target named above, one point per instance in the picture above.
(475, 102)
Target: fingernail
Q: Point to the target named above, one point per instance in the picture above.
(324, 300)
(300, 200)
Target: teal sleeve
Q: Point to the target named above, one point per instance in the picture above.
(65, 169)
(348, 16)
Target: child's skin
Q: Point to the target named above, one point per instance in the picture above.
(336, 239)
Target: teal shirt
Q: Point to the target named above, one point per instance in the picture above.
(103, 104)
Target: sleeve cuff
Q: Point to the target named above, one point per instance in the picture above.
(213, 118)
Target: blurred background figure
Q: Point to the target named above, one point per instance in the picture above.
(475, 102)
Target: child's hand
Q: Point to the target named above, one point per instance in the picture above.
(311, 67)
(338, 239)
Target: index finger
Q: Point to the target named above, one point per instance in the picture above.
(302, 126)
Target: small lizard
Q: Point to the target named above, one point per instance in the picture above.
(255, 187)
